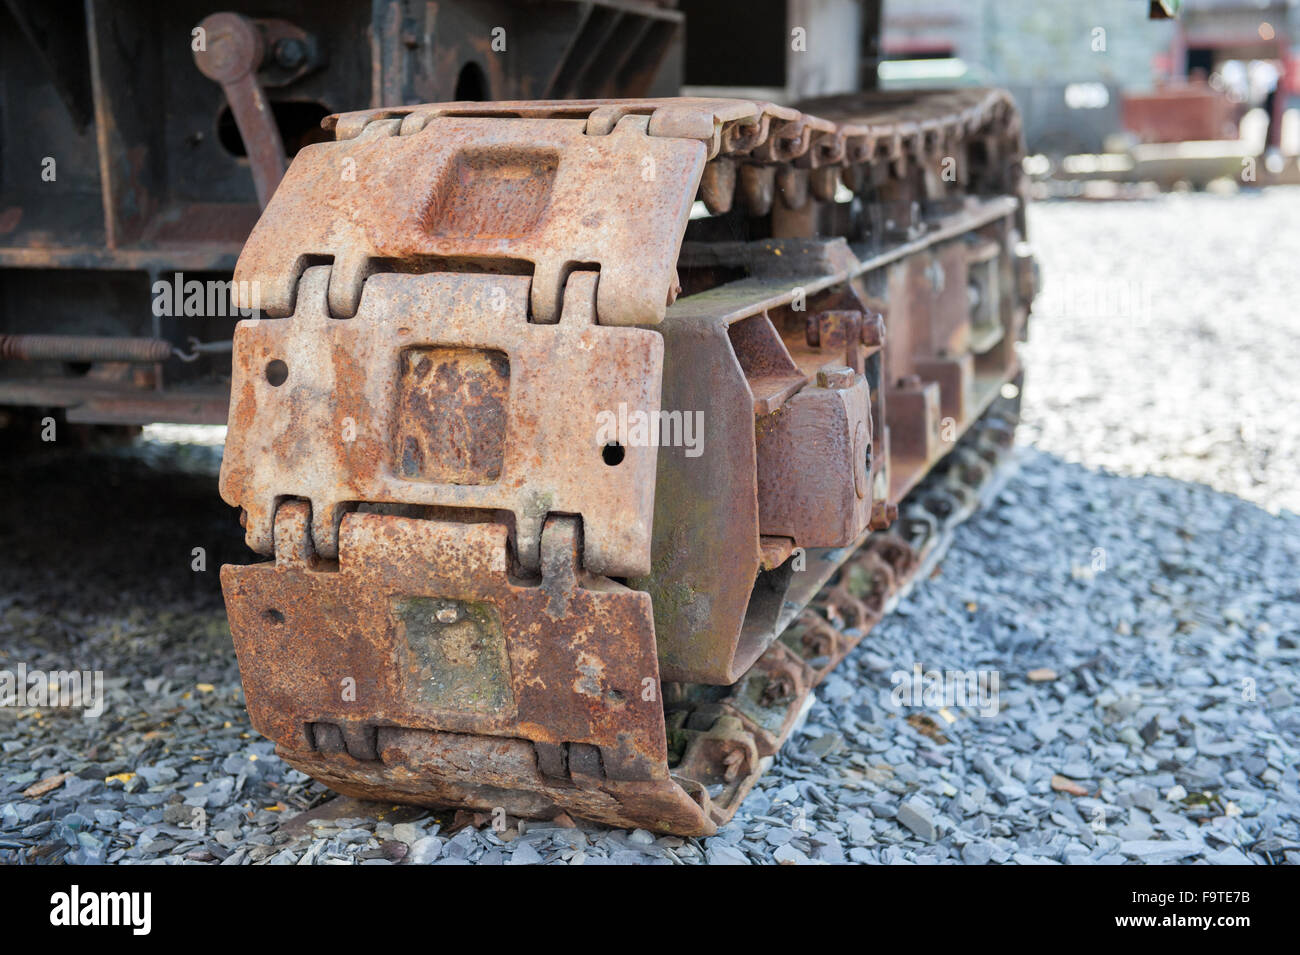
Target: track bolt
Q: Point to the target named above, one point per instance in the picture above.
(836, 377)
(873, 331)
(290, 53)
(883, 513)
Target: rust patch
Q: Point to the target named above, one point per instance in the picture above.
(457, 653)
(451, 416)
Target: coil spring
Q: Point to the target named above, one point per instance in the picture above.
(83, 348)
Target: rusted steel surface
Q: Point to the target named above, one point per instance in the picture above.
(419, 626)
(721, 739)
(801, 468)
(830, 423)
(527, 614)
(353, 418)
(706, 548)
(534, 196)
(155, 158)
(489, 773)
(232, 55)
(836, 131)
(94, 401)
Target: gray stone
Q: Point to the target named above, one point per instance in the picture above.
(424, 850)
(1229, 856)
(721, 853)
(920, 818)
(976, 853)
(406, 832)
(789, 855)
(157, 775)
(525, 854)
(1157, 850)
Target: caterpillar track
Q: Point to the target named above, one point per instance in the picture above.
(586, 437)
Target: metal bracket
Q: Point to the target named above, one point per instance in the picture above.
(233, 54)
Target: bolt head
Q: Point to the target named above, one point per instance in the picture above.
(290, 53)
(836, 377)
(883, 513)
(873, 331)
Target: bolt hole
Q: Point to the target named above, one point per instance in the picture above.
(471, 84)
(612, 454)
(277, 372)
(273, 615)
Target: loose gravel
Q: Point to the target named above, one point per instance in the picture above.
(1133, 587)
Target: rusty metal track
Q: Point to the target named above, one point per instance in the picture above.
(726, 741)
(717, 744)
(478, 596)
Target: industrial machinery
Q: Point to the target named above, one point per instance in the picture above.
(582, 436)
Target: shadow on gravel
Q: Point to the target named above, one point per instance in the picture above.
(115, 530)
(1150, 599)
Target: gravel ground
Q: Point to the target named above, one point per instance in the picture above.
(1133, 587)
